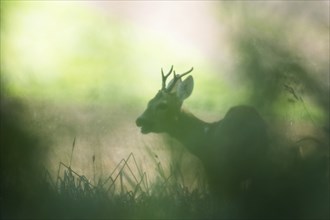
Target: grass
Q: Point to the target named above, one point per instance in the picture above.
(126, 193)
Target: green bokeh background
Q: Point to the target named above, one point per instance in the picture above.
(87, 69)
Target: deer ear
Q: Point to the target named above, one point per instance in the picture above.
(185, 88)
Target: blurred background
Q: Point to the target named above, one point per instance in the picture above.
(85, 70)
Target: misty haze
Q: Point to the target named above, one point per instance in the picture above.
(97, 122)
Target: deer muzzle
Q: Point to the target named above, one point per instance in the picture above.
(144, 124)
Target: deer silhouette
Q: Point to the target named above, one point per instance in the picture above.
(232, 150)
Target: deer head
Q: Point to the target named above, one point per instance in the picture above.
(163, 110)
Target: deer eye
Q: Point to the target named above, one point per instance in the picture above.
(162, 106)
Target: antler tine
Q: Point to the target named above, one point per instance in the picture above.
(189, 71)
(164, 77)
(177, 77)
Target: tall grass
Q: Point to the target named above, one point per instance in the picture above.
(125, 193)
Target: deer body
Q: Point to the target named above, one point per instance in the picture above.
(231, 150)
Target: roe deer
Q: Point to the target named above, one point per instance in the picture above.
(231, 150)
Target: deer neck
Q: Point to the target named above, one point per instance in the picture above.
(191, 132)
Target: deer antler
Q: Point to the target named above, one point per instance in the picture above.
(176, 77)
(164, 77)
